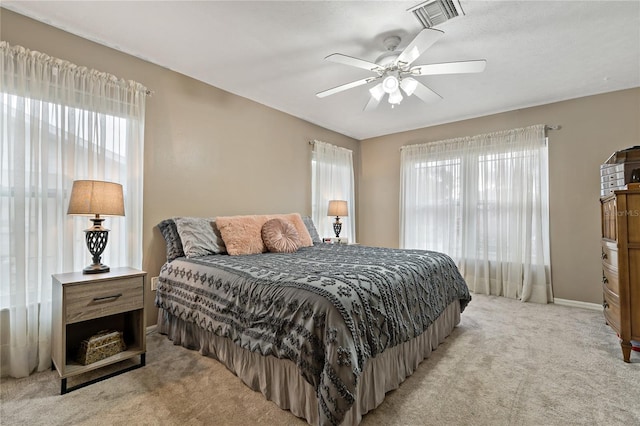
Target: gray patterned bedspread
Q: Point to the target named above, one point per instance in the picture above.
(328, 308)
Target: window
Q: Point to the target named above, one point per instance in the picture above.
(38, 194)
(440, 213)
(483, 201)
(332, 179)
(58, 123)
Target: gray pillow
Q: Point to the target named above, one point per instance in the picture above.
(308, 222)
(169, 231)
(199, 236)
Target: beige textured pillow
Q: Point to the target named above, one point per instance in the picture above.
(280, 236)
(243, 234)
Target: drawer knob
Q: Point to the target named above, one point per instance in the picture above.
(604, 255)
(105, 298)
(605, 304)
(604, 280)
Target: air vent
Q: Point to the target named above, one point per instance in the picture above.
(434, 12)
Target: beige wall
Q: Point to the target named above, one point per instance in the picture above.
(592, 128)
(207, 152)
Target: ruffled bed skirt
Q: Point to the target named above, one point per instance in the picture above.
(279, 379)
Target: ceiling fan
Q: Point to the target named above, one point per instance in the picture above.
(395, 70)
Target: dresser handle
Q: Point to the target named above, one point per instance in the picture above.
(605, 304)
(604, 255)
(605, 280)
(100, 299)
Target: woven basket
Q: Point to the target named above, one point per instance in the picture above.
(100, 346)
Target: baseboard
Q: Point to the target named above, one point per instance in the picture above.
(577, 304)
(152, 328)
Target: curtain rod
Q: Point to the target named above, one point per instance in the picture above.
(546, 127)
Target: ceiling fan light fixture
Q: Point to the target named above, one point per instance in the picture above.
(409, 85)
(395, 97)
(377, 92)
(390, 84)
(395, 76)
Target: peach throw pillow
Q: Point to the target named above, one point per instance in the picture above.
(243, 234)
(280, 236)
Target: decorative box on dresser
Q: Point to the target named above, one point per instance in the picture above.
(85, 304)
(621, 265)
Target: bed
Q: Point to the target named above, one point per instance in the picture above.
(324, 331)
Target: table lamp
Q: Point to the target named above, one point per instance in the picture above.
(337, 208)
(93, 197)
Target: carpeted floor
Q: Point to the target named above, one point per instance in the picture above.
(507, 363)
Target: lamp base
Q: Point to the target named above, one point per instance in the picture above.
(96, 238)
(337, 227)
(96, 269)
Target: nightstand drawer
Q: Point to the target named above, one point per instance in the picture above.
(94, 300)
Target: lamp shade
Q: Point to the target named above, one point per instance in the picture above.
(337, 208)
(94, 197)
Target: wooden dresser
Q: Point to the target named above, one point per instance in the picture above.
(621, 265)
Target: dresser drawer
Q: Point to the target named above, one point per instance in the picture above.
(611, 306)
(604, 177)
(93, 300)
(607, 188)
(610, 279)
(609, 256)
(611, 169)
(612, 183)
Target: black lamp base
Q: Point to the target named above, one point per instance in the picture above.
(96, 269)
(96, 238)
(337, 227)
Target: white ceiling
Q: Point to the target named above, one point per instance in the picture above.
(272, 52)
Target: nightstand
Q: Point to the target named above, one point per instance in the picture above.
(83, 305)
(334, 240)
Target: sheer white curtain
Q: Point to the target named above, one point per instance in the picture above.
(484, 201)
(332, 179)
(59, 123)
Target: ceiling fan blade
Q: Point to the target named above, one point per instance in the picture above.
(425, 94)
(424, 40)
(354, 62)
(345, 87)
(461, 67)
